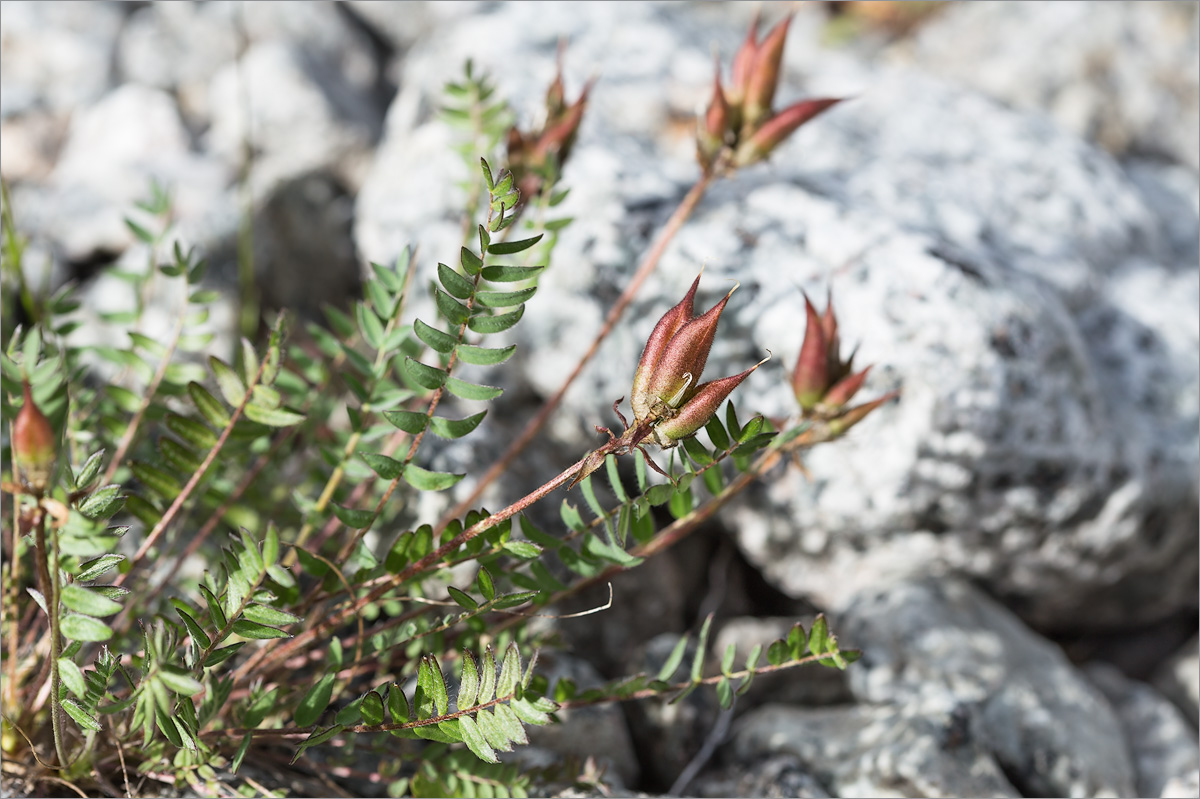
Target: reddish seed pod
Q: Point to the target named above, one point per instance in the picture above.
(34, 442)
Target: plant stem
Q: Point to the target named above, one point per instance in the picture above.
(48, 577)
(685, 209)
(616, 446)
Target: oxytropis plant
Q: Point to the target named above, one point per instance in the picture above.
(208, 557)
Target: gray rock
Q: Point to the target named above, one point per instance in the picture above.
(1120, 74)
(1188, 785)
(113, 150)
(1179, 679)
(597, 731)
(987, 269)
(940, 645)
(56, 56)
(873, 751)
(1161, 742)
(181, 46)
(670, 734)
(776, 776)
(306, 116)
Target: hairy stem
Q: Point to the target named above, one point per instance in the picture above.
(48, 577)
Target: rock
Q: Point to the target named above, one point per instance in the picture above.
(668, 735)
(597, 731)
(1120, 74)
(1182, 787)
(56, 56)
(1162, 744)
(777, 776)
(873, 751)
(306, 116)
(988, 271)
(937, 645)
(114, 149)
(1179, 679)
(182, 46)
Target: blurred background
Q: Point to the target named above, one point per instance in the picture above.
(1006, 214)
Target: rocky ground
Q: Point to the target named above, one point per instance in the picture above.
(1006, 213)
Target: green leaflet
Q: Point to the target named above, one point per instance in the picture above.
(455, 428)
(485, 356)
(472, 391)
(495, 324)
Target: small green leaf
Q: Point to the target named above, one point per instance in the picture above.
(319, 737)
(353, 518)
(424, 480)
(472, 391)
(431, 680)
(504, 299)
(159, 481)
(455, 428)
(511, 274)
(139, 232)
(95, 568)
(258, 632)
(195, 433)
(314, 702)
(725, 693)
(84, 628)
(727, 659)
(818, 638)
(796, 641)
(468, 684)
(218, 656)
(510, 671)
(487, 677)
(81, 717)
(242, 749)
(194, 629)
(495, 324)
(208, 405)
(372, 708)
(382, 465)
(408, 421)
(457, 285)
(265, 614)
(179, 680)
(510, 247)
(660, 494)
(423, 375)
(485, 584)
(475, 741)
(102, 502)
(397, 704)
(72, 677)
(85, 600)
(717, 434)
(471, 263)
(452, 309)
(272, 417)
(522, 549)
(672, 664)
(436, 339)
(777, 653)
(462, 598)
(485, 356)
(230, 383)
(89, 470)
